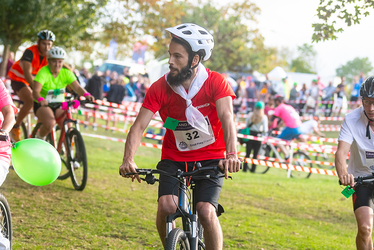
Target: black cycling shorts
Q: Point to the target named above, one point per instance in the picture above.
(17, 86)
(53, 107)
(206, 190)
(363, 196)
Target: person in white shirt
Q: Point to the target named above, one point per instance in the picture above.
(310, 127)
(356, 135)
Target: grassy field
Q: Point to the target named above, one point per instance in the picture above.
(267, 211)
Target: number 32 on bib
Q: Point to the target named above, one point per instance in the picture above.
(189, 138)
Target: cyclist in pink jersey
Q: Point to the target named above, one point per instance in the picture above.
(291, 120)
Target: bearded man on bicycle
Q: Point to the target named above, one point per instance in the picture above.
(22, 75)
(196, 107)
(49, 88)
(356, 135)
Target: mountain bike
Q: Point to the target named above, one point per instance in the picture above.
(296, 158)
(191, 236)
(69, 144)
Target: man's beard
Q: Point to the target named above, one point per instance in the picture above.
(177, 80)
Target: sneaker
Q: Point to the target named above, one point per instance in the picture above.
(15, 133)
(37, 136)
(94, 128)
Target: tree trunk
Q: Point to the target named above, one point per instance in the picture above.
(5, 61)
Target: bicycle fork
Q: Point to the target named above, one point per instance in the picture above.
(189, 219)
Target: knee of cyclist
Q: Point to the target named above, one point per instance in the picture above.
(207, 212)
(49, 125)
(365, 230)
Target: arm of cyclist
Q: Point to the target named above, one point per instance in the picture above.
(225, 115)
(316, 130)
(36, 93)
(27, 72)
(133, 140)
(81, 91)
(341, 165)
(9, 120)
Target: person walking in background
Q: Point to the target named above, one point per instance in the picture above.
(302, 99)
(327, 96)
(312, 98)
(251, 94)
(95, 88)
(294, 94)
(340, 95)
(355, 92)
(116, 94)
(257, 122)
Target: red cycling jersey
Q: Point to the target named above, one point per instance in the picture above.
(160, 97)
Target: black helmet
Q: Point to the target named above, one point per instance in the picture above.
(46, 35)
(367, 88)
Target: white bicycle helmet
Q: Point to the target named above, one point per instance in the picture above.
(197, 37)
(56, 53)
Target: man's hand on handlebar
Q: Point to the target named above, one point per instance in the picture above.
(90, 98)
(347, 179)
(231, 164)
(129, 167)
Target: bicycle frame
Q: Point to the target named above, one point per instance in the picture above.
(189, 218)
(67, 119)
(278, 156)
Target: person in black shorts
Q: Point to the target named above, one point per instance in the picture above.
(199, 127)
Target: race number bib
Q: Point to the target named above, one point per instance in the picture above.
(369, 158)
(55, 95)
(189, 138)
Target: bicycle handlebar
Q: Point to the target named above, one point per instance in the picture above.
(361, 179)
(150, 179)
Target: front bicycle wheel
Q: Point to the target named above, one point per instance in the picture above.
(5, 219)
(77, 159)
(258, 169)
(200, 233)
(65, 173)
(177, 239)
(299, 159)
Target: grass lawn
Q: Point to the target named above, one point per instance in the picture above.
(267, 211)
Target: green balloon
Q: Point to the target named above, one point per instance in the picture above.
(36, 161)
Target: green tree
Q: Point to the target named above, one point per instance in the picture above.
(305, 62)
(69, 20)
(350, 11)
(354, 68)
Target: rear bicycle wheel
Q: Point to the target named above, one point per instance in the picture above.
(5, 219)
(299, 159)
(177, 239)
(258, 169)
(77, 159)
